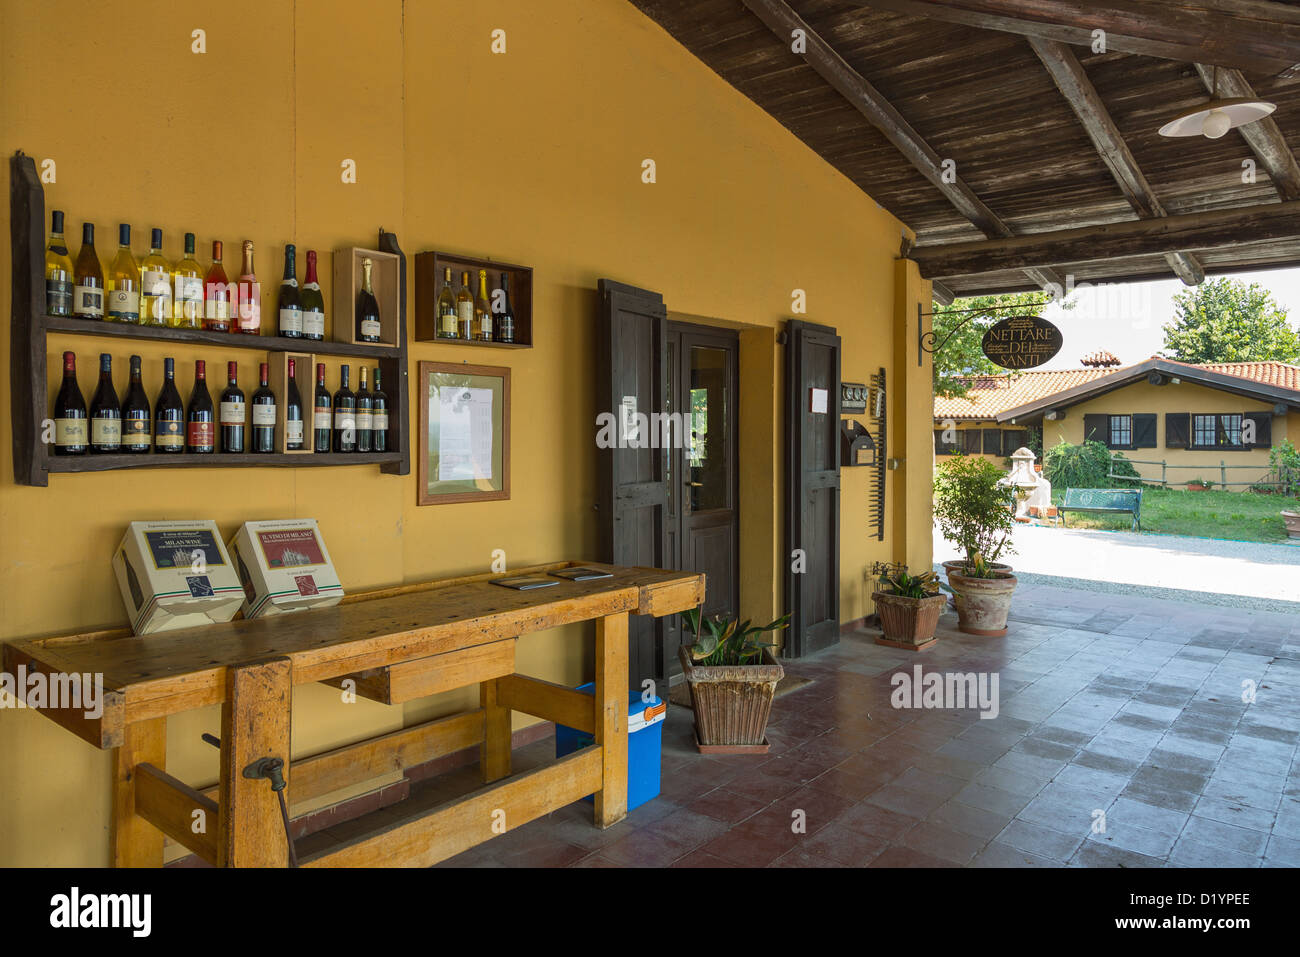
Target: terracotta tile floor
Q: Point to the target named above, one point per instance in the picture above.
(1114, 710)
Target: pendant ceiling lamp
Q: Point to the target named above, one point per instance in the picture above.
(1214, 118)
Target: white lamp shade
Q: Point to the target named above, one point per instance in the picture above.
(1215, 118)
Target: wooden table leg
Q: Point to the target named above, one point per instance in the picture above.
(254, 724)
(135, 842)
(611, 717)
(494, 752)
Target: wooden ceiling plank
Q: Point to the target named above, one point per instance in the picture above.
(1253, 35)
(1143, 237)
(1071, 79)
(1263, 136)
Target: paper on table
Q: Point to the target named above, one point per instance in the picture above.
(464, 434)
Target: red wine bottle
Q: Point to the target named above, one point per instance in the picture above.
(345, 415)
(294, 429)
(200, 422)
(71, 433)
(232, 411)
(322, 417)
(378, 416)
(105, 412)
(137, 433)
(363, 414)
(263, 416)
(169, 414)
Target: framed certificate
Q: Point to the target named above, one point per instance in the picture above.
(464, 453)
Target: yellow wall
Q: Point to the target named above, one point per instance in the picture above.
(533, 156)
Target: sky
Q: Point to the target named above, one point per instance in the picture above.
(1128, 319)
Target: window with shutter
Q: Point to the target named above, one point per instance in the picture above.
(970, 439)
(1203, 432)
(992, 441)
(1178, 427)
(1013, 439)
(940, 446)
(1121, 432)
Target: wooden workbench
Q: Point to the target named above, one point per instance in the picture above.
(392, 645)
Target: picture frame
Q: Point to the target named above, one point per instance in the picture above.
(464, 446)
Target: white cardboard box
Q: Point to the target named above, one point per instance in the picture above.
(175, 575)
(284, 566)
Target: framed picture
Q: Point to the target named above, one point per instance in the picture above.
(464, 453)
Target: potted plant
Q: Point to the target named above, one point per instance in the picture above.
(732, 676)
(1199, 485)
(1285, 461)
(972, 510)
(1292, 520)
(909, 607)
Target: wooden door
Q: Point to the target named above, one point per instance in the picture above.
(812, 487)
(633, 479)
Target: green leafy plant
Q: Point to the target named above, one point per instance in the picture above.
(894, 580)
(728, 642)
(1284, 459)
(971, 509)
(1086, 465)
(1204, 483)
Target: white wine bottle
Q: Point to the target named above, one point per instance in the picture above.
(155, 285)
(124, 281)
(187, 312)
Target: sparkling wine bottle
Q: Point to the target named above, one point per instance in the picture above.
(313, 303)
(289, 305)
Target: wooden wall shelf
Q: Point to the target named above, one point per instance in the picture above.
(429, 268)
(30, 327)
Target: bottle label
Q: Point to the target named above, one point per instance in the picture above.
(69, 431)
(232, 413)
(89, 300)
(345, 421)
(313, 323)
(124, 304)
(201, 434)
(364, 420)
(448, 323)
(484, 325)
(216, 309)
(264, 414)
(322, 419)
(291, 320)
(379, 421)
(189, 298)
(465, 313)
(157, 287)
(293, 432)
(250, 306)
(370, 327)
(58, 297)
(106, 431)
(168, 435)
(135, 431)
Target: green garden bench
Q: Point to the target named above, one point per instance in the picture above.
(1103, 500)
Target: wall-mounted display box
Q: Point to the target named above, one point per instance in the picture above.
(386, 283)
(430, 268)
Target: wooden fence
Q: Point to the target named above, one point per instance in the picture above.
(1281, 479)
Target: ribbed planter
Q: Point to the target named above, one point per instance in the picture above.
(1292, 520)
(908, 622)
(957, 565)
(731, 702)
(982, 603)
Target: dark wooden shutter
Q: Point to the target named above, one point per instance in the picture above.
(992, 441)
(1263, 429)
(970, 441)
(1096, 428)
(940, 446)
(1144, 430)
(1013, 439)
(1178, 430)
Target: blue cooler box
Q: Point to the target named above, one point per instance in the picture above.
(644, 736)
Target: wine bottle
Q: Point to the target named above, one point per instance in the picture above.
(187, 309)
(70, 425)
(200, 427)
(169, 414)
(124, 281)
(233, 415)
(155, 284)
(368, 327)
(263, 415)
(294, 431)
(363, 414)
(290, 302)
(137, 433)
(322, 418)
(58, 270)
(250, 296)
(216, 294)
(447, 307)
(482, 311)
(105, 411)
(505, 324)
(345, 416)
(313, 303)
(378, 416)
(464, 309)
(88, 278)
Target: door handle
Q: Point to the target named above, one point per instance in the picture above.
(695, 484)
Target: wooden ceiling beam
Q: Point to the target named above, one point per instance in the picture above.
(854, 87)
(1070, 78)
(1251, 35)
(941, 293)
(1221, 228)
(1263, 136)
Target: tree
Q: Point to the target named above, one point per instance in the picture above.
(961, 356)
(1224, 320)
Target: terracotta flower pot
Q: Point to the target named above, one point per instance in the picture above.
(982, 603)
(1292, 520)
(732, 702)
(908, 622)
(956, 565)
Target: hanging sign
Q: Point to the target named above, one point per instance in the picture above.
(1021, 342)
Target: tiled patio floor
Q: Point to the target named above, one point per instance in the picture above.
(1125, 707)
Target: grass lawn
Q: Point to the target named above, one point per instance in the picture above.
(1240, 516)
